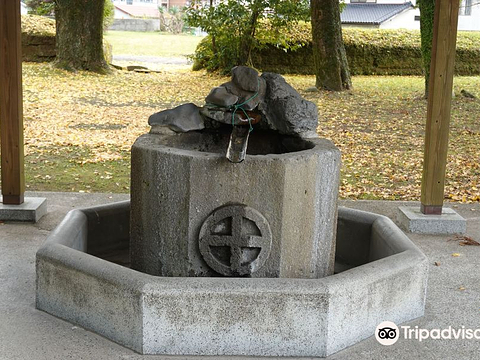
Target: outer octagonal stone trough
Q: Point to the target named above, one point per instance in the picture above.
(380, 275)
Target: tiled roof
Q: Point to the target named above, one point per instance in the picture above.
(374, 14)
(139, 11)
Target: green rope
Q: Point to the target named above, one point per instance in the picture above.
(240, 106)
(235, 107)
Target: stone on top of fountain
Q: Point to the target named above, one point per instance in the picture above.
(281, 107)
(254, 97)
(221, 97)
(285, 110)
(183, 118)
(245, 87)
(219, 115)
(224, 116)
(245, 78)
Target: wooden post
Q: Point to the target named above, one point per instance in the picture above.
(439, 103)
(11, 103)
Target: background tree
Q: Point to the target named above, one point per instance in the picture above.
(427, 14)
(331, 65)
(79, 35)
(47, 8)
(40, 7)
(171, 20)
(234, 26)
(108, 14)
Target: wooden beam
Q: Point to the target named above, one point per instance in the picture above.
(439, 104)
(11, 104)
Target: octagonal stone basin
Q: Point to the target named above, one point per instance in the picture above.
(180, 182)
(83, 277)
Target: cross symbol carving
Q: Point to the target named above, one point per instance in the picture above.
(238, 240)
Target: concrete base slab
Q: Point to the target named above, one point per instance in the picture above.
(32, 209)
(412, 220)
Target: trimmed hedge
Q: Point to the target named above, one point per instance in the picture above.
(38, 38)
(369, 52)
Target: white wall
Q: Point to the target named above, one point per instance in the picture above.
(23, 9)
(121, 15)
(405, 20)
(385, 1)
(154, 3)
(142, 25)
(470, 22)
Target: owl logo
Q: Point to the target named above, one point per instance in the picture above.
(387, 333)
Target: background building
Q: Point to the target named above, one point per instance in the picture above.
(401, 14)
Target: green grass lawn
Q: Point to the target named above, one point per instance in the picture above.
(152, 43)
(79, 128)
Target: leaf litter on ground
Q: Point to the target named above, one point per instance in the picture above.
(464, 240)
(80, 125)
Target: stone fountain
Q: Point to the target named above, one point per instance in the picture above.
(232, 243)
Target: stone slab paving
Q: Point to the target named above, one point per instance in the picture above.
(453, 297)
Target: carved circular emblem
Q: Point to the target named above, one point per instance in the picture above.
(235, 240)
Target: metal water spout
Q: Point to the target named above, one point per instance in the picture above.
(242, 127)
(237, 146)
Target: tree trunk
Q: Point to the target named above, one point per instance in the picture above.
(214, 42)
(246, 42)
(79, 35)
(427, 14)
(331, 65)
